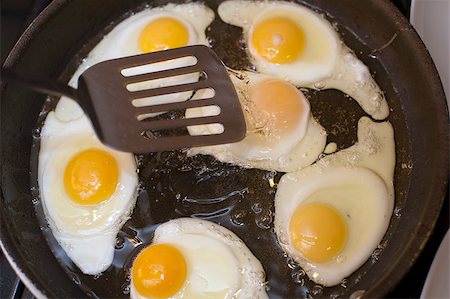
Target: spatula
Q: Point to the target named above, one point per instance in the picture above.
(102, 93)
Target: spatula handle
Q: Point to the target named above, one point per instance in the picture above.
(41, 85)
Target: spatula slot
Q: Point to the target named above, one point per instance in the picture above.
(154, 67)
(213, 129)
(212, 110)
(160, 108)
(182, 131)
(167, 81)
(207, 110)
(162, 124)
(203, 93)
(160, 134)
(152, 116)
(164, 99)
(169, 89)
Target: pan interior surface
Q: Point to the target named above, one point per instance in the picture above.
(175, 185)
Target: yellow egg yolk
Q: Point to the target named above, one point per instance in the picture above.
(91, 176)
(280, 106)
(318, 231)
(162, 34)
(159, 271)
(278, 40)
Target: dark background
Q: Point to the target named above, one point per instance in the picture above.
(16, 15)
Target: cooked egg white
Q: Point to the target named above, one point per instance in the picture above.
(191, 258)
(281, 135)
(330, 216)
(88, 190)
(292, 42)
(153, 29)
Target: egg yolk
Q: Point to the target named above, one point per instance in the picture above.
(91, 176)
(280, 103)
(159, 271)
(318, 231)
(278, 40)
(162, 34)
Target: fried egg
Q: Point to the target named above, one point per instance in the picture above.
(153, 29)
(330, 216)
(87, 189)
(281, 135)
(292, 42)
(192, 258)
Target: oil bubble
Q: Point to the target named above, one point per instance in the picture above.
(96, 276)
(242, 44)
(75, 278)
(299, 277)
(120, 242)
(237, 216)
(265, 220)
(316, 290)
(376, 255)
(397, 212)
(257, 208)
(126, 289)
(334, 295)
(211, 41)
(344, 283)
(292, 264)
(408, 165)
(36, 133)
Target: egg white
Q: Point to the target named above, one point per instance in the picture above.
(326, 62)
(358, 182)
(219, 265)
(322, 44)
(123, 40)
(289, 153)
(86, 232)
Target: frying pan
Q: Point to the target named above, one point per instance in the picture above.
(65, 31)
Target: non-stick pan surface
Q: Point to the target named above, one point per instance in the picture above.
(64, 33)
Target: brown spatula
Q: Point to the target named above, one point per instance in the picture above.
(102, 93)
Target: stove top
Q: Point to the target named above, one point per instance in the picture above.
(16, 15)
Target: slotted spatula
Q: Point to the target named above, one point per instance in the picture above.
(102, 93)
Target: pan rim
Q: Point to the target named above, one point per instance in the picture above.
(414, 246)
(7, 247)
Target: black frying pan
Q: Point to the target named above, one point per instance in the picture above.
(65, 32)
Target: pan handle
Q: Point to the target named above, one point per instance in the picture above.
(42, 85)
